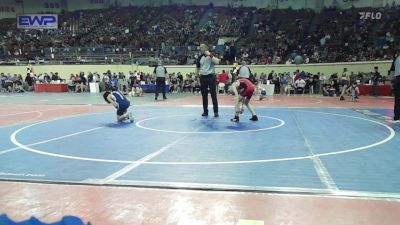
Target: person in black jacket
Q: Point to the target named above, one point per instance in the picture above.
(396, 84)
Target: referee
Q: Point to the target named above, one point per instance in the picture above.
(160, 72)
(396, 85)
(205, 68)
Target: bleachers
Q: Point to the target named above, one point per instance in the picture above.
(263, 36)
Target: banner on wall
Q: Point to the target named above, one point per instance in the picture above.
(37, 21)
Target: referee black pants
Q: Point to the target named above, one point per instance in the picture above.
(208, 83)
(160, 83)
(396, 90)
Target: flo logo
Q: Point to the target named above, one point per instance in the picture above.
(370, 15)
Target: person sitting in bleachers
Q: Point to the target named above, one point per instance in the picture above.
(300, 85)
(134, 84)
(2, 83)
(196, 85)
(187, 85)
(223, 81)
(113, 83)
(328, 90)
(81, 84)
(8, 83)
(71, 82)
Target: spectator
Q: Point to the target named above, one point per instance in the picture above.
(187, 85)
(29, 80)
(81, 84)
(300, 85)
(376, 78)
(344, 82)
(223, 78)
(113, 83)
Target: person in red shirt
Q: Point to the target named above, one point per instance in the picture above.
(243, 90)
(222, 77)
(223, 80)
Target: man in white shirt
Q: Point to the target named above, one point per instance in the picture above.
(300, 83)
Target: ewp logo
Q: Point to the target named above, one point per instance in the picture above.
(38, 21)
(370, 15)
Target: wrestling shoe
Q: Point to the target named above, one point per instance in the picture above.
(235, 119)
(254, 118)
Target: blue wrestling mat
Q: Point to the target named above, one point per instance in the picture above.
(313, 150)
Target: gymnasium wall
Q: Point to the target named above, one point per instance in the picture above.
(36, 6)
(326, 68)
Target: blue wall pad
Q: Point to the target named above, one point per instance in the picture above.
(66, 220)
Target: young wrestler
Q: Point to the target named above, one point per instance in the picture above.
(354, 92)
(243, 90)
(121, 103)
